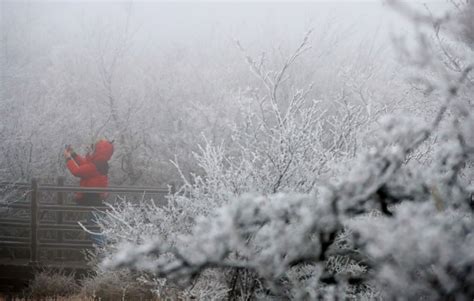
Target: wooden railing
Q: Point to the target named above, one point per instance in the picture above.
(60, 225)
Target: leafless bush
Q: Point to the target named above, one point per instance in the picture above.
(116, 286)
(48, 284)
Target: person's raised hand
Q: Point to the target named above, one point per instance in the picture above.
(67, 153)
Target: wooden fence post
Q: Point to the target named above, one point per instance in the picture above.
(34, 222)
(59, 216)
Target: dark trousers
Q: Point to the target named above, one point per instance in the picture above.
(90, 199)
(93, 200)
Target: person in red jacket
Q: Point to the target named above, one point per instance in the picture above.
(92, 170)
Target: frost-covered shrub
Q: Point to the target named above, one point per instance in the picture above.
(284, 147)
(123, 285)
(390, 226)
(49, 284)
(274, 234)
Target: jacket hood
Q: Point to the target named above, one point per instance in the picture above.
(103, 151)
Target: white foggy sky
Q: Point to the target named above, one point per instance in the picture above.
(202, 24)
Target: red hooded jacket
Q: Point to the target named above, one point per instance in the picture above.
(93, 169)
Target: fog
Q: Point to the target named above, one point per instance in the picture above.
(162, 55)
(153, 70)
(164, 24)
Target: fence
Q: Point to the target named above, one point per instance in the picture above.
(35, 206)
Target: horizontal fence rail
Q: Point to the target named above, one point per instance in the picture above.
(17, 185)
(33, 225)
(108, 189)
(121, 189)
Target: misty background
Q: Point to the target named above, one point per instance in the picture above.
(158, 77)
